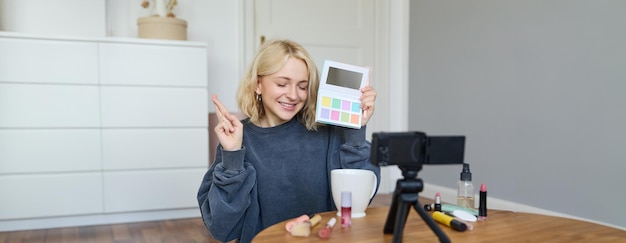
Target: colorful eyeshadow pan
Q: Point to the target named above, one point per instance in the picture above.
(340, 111)
(338, 97)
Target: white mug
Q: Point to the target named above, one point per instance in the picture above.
(361, 183)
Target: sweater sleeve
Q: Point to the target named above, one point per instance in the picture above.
(226, 194)
(355, 151)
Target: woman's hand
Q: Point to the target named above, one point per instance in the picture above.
(229, 129)
(368, 99)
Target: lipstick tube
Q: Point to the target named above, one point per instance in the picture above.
(438, 202)
(482, 204)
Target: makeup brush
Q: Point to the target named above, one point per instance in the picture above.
(303, 229)
(295, 221)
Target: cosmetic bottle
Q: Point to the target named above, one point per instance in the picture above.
(346, 209)
(465, 193)
(324, 233)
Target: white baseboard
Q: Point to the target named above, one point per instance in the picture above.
(99, 219)
(449, 195)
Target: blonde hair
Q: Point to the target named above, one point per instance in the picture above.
(272, 57)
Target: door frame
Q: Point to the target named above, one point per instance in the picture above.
(391, 62)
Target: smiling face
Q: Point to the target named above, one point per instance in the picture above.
(284, 93)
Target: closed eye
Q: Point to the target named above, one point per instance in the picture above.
(303, 85)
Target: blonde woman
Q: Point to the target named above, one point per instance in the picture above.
(275, 164)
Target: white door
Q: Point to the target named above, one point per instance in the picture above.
(346, 31)
(337, 30)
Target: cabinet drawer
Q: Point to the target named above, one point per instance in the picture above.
(31, 196)
(151, 190)
(48, 61)
(134, 64)
(64, 106)
(154, 107)
(45, 150)
(154, 148)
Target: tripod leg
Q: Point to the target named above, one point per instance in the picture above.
(391, 216)
(401, 216)
(398, 213)
(431, 223)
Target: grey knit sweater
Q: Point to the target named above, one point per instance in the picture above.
(280, 173)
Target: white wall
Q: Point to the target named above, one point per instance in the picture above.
(538, 89)
(213, 21)
(218, 23)
(54, 17)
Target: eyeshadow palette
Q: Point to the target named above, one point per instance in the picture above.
(339, 93)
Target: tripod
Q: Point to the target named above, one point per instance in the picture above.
(404, 196)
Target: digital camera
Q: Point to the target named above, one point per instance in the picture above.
(412, 149)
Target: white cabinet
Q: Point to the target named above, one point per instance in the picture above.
(48, 105)
(158, 189)
(40, 60)
(129, 64)
(100, 130)
(153, 102)
(33, 151)
(153, 107)
(131, 149)
(50, 194)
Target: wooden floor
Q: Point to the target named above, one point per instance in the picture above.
(182, 230)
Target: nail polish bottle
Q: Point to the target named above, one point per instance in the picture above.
(465, 193)
(346, 209)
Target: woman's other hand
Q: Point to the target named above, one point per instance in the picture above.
(229, 129)
(368, 100)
